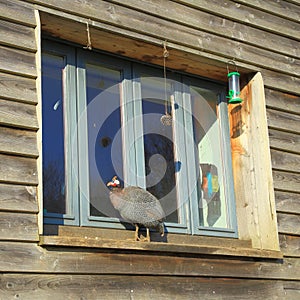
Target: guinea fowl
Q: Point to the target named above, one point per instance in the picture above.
(137, 206)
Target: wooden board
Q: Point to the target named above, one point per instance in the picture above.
(14, 169)
(18, 88)
(18, 198)
(18, 62)
(17, 36)
(18, 142)
(18, 226)
(287, 202)
(33, 286)
(290, 245)
(288, 223)
(17, 12)
(285, 141)
(285, 161)
(18, 114)
(65, 260)
(283, 121)
(219, 25)
(283, 101)
(285, 181)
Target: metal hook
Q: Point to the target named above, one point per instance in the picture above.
(231, 61)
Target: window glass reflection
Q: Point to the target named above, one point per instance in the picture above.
(207, 135)
(54, 190)
(159, 147)
(104, 123)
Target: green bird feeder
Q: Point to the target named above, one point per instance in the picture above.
(233, 87)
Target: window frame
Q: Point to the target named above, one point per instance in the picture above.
(76, 145)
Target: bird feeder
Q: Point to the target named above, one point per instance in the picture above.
(233, 87)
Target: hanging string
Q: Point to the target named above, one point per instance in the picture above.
(165, 55)
(89, 42)
(166, 119)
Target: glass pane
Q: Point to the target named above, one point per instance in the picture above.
(104, 135)
(53, 134)
(207, 135)
(158, 147)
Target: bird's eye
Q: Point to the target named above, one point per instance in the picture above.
(116, 182)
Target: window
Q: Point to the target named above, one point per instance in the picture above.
(102, 117)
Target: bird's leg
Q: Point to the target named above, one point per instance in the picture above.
(136, 232)
(147, 239)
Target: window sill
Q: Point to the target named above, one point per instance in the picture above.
(160, 247)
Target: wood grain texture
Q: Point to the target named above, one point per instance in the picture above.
(147, 24)
(283, 101)
(18, 114)
(285, 141)
(68, 261)
(14, 169)
(18, 226)
(286, 181)
(18, 141)
(285, 161)
(18, 62)
(135, 287)
(287, 202)
(18, 198)
(17, 36)
(281, 8)
(18, 88)
(288, 223)
(290, 245)
(17, 12)
(283, 121)
(250, 16)
(222, 26)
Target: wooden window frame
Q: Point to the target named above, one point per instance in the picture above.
(255, 202)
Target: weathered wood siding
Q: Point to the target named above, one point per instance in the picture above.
(262, 35)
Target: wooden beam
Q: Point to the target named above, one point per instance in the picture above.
(288, 223)
(283, 121)
(285, 161)
(285, 141)
(287, 202)
(46, 286)
(28, 257)
(286, 181)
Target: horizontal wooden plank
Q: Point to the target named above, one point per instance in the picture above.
(18, 141)
(194, 38)
(288, 223)
(222, 26)
(17, 12)
(18, 226)
(287, 202)
(47, 286)
(286, 181)
(58, 260)
(283, 121)
(285, 161)
(18, 198)
(14, 169)
(157, 247)
(147, 48)
(282, 101)
(18, 114)
(281, 8)
(285, 141)
(17, 36)
(290, 245)
(250, 16)
(18, 88)
(17, 61)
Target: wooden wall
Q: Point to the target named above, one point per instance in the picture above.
(262, 35)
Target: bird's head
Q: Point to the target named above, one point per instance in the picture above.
(114, 183)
